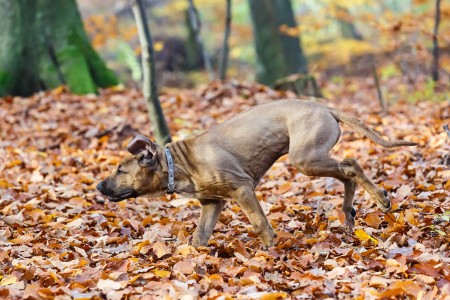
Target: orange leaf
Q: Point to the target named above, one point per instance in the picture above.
(341, 216)
(410, 217)
(284, 187)
(274, 296)
(373, 220)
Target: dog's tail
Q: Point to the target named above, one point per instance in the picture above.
(363, 129)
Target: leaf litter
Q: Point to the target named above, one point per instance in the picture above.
(59, 239)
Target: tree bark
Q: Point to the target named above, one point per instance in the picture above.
(437, 19)
(196, 25)
(193, 53)
(150, 89)
(43, 41)
(18, 70)
(225, 47)
(279, 54)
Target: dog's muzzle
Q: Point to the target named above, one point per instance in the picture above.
(116, 197)
(100, 186)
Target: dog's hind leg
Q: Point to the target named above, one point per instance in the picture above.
(352, 169)
(349, 172)
(209, 215)
(326, 166)
(347, 205)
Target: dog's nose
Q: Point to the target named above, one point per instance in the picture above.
(100, 186)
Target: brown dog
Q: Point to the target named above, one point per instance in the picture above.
(229, 160)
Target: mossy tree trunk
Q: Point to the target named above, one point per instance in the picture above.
(279, 54)
(44, 45)
(18, 70)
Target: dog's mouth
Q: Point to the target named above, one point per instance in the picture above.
(123, 196)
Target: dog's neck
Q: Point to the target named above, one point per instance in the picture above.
(183, 182)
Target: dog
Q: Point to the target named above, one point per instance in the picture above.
(228, 161)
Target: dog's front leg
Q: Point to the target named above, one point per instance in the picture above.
(208, 218)
(246, 198)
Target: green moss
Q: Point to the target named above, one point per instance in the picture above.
(75, 70)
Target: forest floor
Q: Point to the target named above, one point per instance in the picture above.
(60, 239)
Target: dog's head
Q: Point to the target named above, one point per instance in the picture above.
(137, 174)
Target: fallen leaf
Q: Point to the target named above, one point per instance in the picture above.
(108, 285)
(363, 236)
(373, 220)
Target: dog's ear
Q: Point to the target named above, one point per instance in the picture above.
(145, 147)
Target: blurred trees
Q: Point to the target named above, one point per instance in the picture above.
(348, 29)
(277, 40)
(43, 45)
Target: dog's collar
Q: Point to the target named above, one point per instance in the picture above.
(171, 185)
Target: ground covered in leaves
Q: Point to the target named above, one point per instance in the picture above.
(60, 239)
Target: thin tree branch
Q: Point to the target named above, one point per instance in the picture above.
(381, 100)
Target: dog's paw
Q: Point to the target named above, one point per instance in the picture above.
(267, 241)
(383, 201)
(350, 223)
(350, 220)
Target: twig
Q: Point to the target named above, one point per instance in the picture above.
(381, 100)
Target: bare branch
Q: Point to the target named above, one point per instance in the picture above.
(381, 100)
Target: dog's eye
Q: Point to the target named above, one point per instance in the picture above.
(120, 171)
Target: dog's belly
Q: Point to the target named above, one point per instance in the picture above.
(246, 146)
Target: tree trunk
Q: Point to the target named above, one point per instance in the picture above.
(437, 19)
(279, 53)
(18, 70)
(194, 55)
(225, 47)
(49, 40)
(150, 90)
(196, 25)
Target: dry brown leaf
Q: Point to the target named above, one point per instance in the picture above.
(373, 220)
(184, 267)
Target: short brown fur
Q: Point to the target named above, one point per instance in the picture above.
(229, 160)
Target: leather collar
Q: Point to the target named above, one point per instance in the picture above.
(171, 185)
